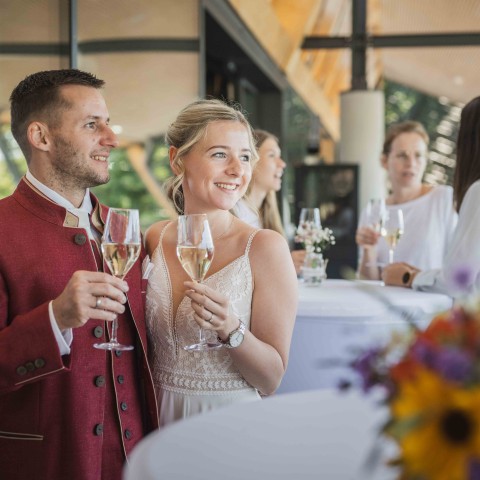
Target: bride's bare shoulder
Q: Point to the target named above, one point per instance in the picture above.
(152, 235)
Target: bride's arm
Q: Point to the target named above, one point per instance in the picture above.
(263, 355)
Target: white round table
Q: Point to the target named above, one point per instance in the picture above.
(322, 435)
(339, 318)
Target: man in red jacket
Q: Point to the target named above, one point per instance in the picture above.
(67, 410)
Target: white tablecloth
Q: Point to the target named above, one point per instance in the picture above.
(320, 435)
(339, 318)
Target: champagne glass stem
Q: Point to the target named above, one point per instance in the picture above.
(390, 255)
(201, 335)
(113, 338)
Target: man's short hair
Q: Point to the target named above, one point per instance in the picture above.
(38, 97)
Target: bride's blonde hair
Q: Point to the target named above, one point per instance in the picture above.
(189, 127)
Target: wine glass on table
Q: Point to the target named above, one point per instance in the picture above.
(121, 245)
(310, 216)
(195, 252)
(392, 230)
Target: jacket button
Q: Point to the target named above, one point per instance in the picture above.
(100, 381)
(98, 430)
(30, 366)
(123, 406)
(98, 331)
(128, 434)
(80, 239)
(21, 370)
(118, 353)
(39, 362)
(120, 379)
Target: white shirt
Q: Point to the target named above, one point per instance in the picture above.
(429, 224)
(464, 251)
(64, 340)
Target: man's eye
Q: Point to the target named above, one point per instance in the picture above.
(91, 125)
(220, 154)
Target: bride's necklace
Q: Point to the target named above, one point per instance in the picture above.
(226, 230)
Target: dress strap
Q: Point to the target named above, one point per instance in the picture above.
(159, 247)
(250, 240)
(162, 233)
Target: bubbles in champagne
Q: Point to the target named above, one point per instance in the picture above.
(120, 257)
(195, 261)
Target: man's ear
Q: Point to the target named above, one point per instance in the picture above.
(172, 151)
(39, 136)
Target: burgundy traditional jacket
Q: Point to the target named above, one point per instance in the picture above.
(62, 416)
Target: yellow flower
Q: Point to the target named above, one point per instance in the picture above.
(437, 426)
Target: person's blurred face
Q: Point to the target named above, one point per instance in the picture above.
(269, 170)
(407, 160)
(218, 168)
(82, 140)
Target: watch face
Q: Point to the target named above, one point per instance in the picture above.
(236, 339)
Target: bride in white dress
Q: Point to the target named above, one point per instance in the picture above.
(249, 297)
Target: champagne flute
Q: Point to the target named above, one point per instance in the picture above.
(375, 213)
(195, 252)
(310, 216)
(121, 248)
(392, 230)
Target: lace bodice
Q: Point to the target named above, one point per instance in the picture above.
(194, 372)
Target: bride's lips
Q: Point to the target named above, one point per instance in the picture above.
(231, 187)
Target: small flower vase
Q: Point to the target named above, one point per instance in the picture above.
(314, 270)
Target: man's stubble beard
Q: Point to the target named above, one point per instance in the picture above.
(72, 170)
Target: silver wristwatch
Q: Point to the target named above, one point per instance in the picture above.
(235, 338)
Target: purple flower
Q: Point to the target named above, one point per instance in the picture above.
(366, 366)
(453, 364)
(424, 353)
(462, 277)
(474, 470)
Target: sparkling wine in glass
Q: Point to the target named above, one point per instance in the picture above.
(392, 230)
(195, 252)
(121, 245)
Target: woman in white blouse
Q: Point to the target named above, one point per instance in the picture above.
(463, 256)
(428, 212)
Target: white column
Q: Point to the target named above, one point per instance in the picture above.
(362, 125)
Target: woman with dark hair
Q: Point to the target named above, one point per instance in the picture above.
(463, 255)
(427, 210)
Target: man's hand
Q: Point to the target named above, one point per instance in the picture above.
(78, 301)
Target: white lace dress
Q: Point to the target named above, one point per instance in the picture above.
(188, 383)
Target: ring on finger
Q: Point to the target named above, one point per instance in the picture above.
(209, 320)
(98, 303)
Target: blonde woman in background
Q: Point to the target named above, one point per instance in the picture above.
(250, 291)
(428, 212)
(259, 208)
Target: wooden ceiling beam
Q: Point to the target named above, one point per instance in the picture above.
(287, 55)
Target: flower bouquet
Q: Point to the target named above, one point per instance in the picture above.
(431, 384)
(315, 240)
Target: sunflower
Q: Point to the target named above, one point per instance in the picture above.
(437, 426)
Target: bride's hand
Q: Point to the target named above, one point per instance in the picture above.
(211, 309)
